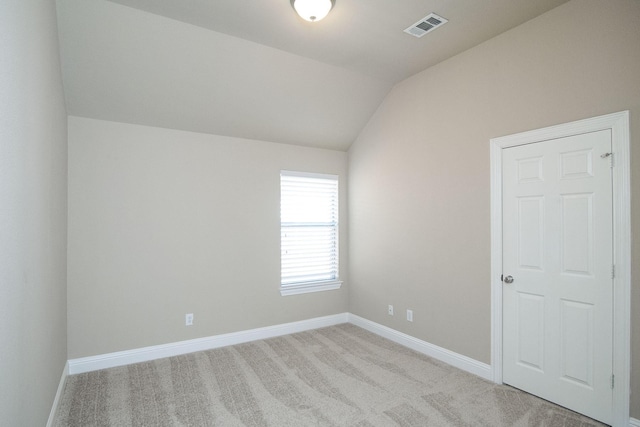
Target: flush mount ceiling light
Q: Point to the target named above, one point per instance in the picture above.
(312, 10)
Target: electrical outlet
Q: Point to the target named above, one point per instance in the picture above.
(188, 319)
(410, 315)
(390, 310)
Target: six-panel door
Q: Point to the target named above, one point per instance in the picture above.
(557, 246)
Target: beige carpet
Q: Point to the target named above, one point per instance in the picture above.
(337, 376)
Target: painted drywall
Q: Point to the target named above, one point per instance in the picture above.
(165, 222)
(126, 65)
(33, 208)
(419, 172)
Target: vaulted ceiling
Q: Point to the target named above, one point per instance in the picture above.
(254, 69)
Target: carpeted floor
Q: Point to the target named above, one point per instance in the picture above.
(336, 376)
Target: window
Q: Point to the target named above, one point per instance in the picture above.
(308, 232)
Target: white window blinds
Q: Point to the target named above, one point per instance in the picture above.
(308, 229)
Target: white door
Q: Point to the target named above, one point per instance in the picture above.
(558, 256)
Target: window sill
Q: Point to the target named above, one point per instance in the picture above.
(305, 288)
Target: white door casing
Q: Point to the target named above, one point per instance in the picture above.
(616, 125)
(557, 247)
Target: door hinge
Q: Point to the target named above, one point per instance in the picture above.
(613, 380)
(610, 156)
(613, 271)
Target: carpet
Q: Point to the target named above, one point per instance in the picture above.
(336, 376)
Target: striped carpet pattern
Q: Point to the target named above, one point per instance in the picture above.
(336, 376)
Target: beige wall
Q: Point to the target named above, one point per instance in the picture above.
(165, 222)
(419, 172)
(33, 202)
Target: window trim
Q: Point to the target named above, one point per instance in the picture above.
(314, 286)
(305, 288)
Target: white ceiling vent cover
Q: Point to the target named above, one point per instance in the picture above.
(426, 25)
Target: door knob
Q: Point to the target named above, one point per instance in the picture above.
(508, 279)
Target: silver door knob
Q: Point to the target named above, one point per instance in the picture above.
(508, 279)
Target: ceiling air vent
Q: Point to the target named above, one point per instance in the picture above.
(425, 25)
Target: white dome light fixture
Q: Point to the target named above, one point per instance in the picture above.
(313, 10)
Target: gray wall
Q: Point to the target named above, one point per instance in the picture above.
(33, 207)
(165, 222)
(419, 172)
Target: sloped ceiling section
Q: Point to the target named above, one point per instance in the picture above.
(130, 66)
(254, 69)
(361, 35)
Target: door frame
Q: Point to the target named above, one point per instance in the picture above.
(618, 123)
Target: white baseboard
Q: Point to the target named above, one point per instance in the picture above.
(122, 358)
(56, 400)
(145, 354)
(447, 356)
(634, 422)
